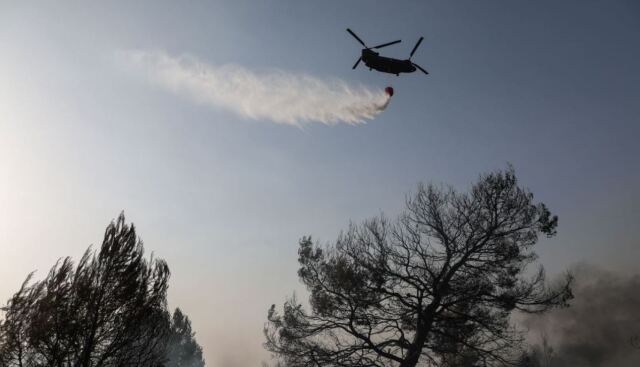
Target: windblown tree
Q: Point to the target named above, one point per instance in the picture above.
(108, 310)
(436, 287)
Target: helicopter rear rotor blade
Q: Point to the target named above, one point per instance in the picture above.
(356, 37)
(416, 47)
(357, 62)
(421, 69)
(387, 44)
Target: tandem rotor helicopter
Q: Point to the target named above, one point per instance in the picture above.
(386, 64)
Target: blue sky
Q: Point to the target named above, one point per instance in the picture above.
(552, 87)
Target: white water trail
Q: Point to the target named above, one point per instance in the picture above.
(275, 95)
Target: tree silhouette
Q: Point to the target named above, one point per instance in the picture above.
(439, 281)
(183, 350)
(108, 310)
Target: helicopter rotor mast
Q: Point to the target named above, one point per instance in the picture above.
(367, 47)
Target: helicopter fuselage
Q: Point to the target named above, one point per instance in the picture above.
(386, 64)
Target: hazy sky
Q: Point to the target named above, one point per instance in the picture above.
(552, 87)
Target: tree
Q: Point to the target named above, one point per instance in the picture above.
(182, 348)
(108, 310)
(13, 330)
(440, 280)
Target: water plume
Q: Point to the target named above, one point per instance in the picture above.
(275, 95)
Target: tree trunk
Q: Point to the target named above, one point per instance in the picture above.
(413, 354)
(422, 332)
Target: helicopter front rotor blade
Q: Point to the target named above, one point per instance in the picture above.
(421, 69)
(357, 62)
(387, 44)
(356, 37)
(416, 47)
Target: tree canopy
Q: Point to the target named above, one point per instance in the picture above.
(434, 287)
(109, 309)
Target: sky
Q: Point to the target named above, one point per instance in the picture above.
(550, 87)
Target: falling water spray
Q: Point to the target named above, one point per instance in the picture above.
(274, 95)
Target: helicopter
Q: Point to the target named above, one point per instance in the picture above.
(386, 64)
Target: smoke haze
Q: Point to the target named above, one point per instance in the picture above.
(598, 327)
(275, 95)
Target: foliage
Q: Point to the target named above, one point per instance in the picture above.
(436, 285)
(108, 310)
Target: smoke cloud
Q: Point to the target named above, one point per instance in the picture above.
(599, 328)
(275, 95)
